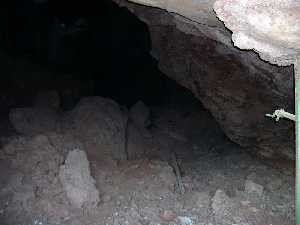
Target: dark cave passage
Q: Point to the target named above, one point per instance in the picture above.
(108, 50)
(75, 52)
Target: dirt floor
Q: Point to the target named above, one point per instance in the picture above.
(102, 164)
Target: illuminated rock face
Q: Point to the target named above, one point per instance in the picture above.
(236, 86)
(272, 27)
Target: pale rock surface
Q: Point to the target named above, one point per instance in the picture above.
(79, 185)
(237, 87)
(99, 123)
(270, 27)
(252, 187)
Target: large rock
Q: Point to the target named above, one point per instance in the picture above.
(37, 159)
(99, 124)
(198, 13)
(34, 121)
(237, 87)
(33, 186)
(270, 27)
(75, 176)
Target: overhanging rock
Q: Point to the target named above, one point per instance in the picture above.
(236, 86)
(270, 27)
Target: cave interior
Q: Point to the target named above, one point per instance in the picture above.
(88, 68)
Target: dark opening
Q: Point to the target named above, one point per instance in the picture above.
(94, 41)
(155, 153)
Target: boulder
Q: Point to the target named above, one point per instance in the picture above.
(34, 121)
(99, 123)
(79, 185)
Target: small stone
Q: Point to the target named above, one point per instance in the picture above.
(251, 187)
(168, 215)
(202, 199)
(184, 220)
(106, 198)
(245, 203)
(253, 209)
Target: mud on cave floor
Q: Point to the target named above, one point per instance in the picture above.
(222, 183)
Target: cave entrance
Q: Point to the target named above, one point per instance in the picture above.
(85, 53)
(92, 131)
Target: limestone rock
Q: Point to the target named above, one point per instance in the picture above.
(99, 124)
(188, 16)
(237, 87)
(79, 185)
(37, 159)
(64, 142)
(270, 27)
(36, 165)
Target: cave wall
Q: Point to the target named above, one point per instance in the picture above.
(236, 86)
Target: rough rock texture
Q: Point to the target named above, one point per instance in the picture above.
(272, 27)
(222, 207)
(34, 181)
(34, 121)
(75, 176)
(185, 13)
(139, 192)
(237, 87)
(252, 187)
(32, 155)
(99, 124)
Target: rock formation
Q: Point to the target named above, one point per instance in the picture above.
(194, 48)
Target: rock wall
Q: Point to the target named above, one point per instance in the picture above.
(236, 86)
(269, 27)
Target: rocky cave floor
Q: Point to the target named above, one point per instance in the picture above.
(46, 179)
